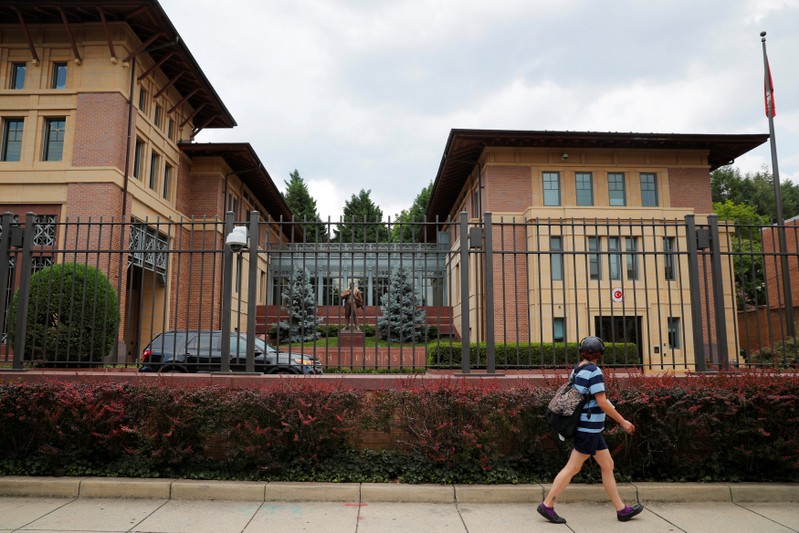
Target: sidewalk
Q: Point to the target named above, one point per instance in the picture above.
(155, 505)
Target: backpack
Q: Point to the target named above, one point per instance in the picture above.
(564, 409)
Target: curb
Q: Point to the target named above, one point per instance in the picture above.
(182, 489)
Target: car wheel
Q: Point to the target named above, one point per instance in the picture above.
(172, 368)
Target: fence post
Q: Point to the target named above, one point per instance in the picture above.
(24, 292)
(251, 291)
(718, 292)
(465, 348)
(491, 352)
(5, 259)
(696, 293)
(227, 292)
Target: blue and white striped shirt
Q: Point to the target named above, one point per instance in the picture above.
(589, 378)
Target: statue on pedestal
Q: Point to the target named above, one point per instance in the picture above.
(352, 299)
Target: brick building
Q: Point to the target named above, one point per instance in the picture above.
(99, 105)
(608, 209)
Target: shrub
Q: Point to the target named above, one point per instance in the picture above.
(524, 355)
(73, 315)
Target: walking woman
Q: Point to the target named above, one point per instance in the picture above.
(589, 442)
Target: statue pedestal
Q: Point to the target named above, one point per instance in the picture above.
(347, 338)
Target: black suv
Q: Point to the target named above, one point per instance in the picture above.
(201, 350)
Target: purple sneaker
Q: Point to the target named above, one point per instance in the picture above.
(550, 514)
(629, 512)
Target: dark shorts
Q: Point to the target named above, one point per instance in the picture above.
(589, 443)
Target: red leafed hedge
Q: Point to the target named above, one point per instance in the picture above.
(734, 427)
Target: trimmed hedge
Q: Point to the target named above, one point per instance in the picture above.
(738, 427)
(526, 355)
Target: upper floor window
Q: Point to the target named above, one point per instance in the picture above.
(59, 80)
(167, 181)
(170, 129)
(632, 258)
(143, 100)
(53, 146)
(594, 266)
(138, 159)
(614, 258)
(12, 139)
(551, 188)
(585, 188)
(616, 194)
(555, 258)
(157, 115)
(17, 76)
(649, 190)
(154, 161)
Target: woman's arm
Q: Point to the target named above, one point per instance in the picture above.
(607, 407)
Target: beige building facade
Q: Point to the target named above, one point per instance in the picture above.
(591, 233)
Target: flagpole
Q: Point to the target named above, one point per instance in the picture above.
(770, 112)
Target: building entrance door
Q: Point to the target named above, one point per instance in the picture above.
(619, 329)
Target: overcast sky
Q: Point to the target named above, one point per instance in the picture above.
(362, 94)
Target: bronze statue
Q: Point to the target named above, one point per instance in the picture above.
(352, 300)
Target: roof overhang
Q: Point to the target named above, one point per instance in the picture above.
(245, 165)
(464, 148)
(149, 22)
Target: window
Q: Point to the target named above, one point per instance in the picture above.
(632, 258)
(17, 76)
(170, 130)
(154, 159)
(674, 333)
(157, 116)
(551, 188)
(138, 158)
(12, 139)
(614, 257)
(616, 195)
(53, 139)
(594, 270)
(585, 188)
(167, 181)
(142, 100)
(556, 259)
(649, 190)
(59, 80)
(558, 330)
(668, 259)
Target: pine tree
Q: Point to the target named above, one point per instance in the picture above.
(402, 321)
(301, 302)
(303, 207)
(362, 221)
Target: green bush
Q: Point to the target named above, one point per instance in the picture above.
(73, 316)
(783, 355)
(524, 355)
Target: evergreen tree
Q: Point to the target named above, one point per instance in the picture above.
(402, 321)
(301, 302)
(403, 229)
(362, 221)
(303, 206)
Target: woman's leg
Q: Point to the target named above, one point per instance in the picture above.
(605, 461)
(564, 477)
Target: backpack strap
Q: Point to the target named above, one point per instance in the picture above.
(588, 396)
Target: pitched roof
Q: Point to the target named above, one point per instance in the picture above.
(464, 148)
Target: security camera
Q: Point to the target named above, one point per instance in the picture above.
(237, 238)
(565, 156)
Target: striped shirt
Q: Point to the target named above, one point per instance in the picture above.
(589, 378)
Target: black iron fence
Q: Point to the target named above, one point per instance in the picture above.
(495, 294)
